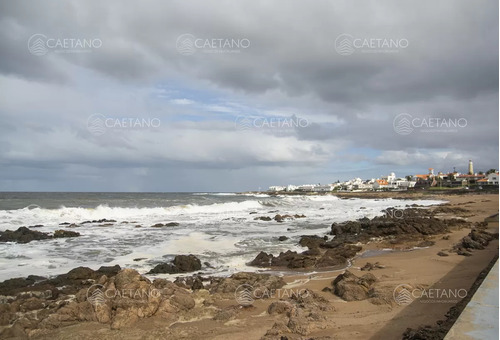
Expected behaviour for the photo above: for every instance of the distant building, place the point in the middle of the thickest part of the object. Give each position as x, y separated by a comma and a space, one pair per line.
276, 188
493, 178
380, 184
322, 188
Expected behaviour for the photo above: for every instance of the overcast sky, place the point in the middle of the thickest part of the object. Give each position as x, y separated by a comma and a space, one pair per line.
300, 92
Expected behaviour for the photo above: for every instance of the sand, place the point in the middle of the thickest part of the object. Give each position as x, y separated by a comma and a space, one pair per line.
347, 320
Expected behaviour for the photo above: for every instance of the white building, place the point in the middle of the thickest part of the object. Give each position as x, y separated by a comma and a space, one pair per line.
323, 188
493, 178
306, 187
276, 188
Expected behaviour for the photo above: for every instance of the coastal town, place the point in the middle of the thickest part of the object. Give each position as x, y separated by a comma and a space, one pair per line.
392, 182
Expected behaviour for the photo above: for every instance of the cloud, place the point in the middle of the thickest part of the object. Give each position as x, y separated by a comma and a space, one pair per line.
291, 69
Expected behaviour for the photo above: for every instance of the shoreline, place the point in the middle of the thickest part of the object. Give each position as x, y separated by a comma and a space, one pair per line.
342, 320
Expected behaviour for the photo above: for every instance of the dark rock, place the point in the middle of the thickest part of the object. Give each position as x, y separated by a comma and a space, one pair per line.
311, 241
23, 235
180, 264
263, 218
442, 254
281, 218
282, 238
164, 268
170, 224
109, 270
80, 273
36, 226
262, 260
65, 233
187, 263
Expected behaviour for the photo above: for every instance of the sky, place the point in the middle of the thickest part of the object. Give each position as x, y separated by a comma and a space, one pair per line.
240, 95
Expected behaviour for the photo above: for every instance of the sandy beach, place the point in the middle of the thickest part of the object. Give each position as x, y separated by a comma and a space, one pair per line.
324, 315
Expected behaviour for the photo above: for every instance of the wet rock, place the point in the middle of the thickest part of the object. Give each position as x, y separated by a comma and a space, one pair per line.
263, 259
109, 270
416, 225
282, 238
311, 241
80, 273
338, 256
263, 218
180, 264
23, 235
442, 254
187, 263
161, 225
36, 226
281, 218
65, 233
350, 287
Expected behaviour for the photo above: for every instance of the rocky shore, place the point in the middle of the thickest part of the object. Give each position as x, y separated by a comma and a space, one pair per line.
120, 303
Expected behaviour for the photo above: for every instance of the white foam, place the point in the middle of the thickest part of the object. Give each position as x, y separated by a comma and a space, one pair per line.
224, 234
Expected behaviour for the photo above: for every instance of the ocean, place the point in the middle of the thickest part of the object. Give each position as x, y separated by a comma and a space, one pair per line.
219, 228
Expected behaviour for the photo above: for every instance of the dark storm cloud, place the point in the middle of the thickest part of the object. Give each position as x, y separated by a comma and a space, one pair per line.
449, 70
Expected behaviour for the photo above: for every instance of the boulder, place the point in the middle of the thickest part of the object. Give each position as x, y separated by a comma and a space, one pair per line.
65, 233
180, 264
350, 287
23, 235
263, 259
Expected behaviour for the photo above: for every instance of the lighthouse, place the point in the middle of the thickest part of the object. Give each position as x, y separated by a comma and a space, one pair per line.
471, 168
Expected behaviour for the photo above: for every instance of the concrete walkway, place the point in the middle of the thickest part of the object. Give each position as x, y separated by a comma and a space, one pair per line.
479, 319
